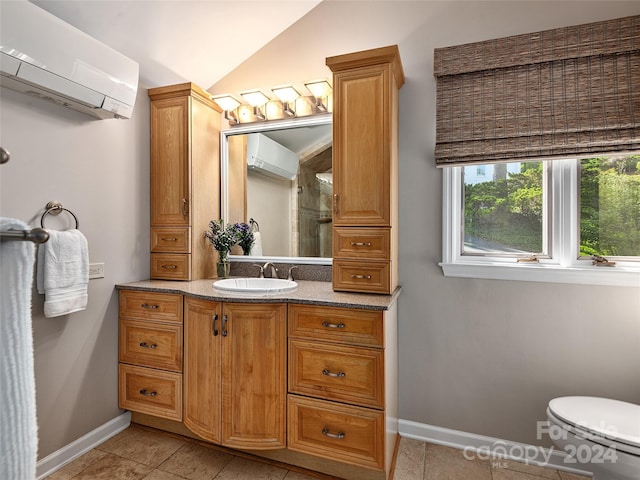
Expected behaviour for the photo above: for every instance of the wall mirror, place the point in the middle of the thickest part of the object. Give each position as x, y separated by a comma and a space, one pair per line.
278, 174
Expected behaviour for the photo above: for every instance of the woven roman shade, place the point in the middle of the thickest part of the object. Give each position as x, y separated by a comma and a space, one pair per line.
571, 91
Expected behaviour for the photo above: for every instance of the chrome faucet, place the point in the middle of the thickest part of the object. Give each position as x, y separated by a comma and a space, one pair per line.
274, 270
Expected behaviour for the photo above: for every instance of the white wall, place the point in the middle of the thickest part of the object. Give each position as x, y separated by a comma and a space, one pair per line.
475, 355
99, 169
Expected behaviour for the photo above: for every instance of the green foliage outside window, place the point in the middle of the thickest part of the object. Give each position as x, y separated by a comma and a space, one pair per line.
506, 212
610, 206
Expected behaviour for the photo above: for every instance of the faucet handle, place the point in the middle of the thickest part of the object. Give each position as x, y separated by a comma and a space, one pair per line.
261, 270
290, 276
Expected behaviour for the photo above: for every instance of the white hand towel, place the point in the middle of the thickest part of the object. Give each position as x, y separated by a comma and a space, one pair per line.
63, 272
256, 249
18, 425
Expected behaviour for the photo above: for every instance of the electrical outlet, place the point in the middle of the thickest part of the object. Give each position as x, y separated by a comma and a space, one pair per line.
96, 270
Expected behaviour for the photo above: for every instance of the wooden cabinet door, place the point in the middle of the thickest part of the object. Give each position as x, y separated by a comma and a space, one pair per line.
361, 147
170, 161
254, 382
202, 353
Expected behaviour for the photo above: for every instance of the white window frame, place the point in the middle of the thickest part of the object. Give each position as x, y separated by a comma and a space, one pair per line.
565, 264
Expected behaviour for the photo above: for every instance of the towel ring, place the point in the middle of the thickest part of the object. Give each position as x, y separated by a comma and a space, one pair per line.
254, 225
54, 208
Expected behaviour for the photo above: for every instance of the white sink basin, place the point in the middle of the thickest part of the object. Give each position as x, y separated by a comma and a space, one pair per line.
255, 285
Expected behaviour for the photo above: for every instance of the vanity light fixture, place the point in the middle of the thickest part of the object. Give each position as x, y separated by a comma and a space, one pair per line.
321, 90
257, 100
288, 95
229, 105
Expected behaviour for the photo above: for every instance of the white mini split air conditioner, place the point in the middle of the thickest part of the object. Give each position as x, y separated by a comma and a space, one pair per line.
267, 156
42, 56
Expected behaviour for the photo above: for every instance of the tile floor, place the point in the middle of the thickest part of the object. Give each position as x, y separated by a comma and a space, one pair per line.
140, 453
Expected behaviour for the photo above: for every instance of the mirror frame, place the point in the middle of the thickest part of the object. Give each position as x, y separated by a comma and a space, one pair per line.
243, 129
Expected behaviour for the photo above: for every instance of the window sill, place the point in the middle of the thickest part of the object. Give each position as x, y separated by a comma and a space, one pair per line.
587, 275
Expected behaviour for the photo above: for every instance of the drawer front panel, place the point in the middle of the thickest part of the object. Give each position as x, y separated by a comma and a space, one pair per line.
354, 435
335, 324
361, 276
159, 307
345, 374
171, 239
151, 344
150, 391
370, 243
167, 266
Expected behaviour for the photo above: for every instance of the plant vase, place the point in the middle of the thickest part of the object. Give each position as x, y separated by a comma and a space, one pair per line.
223, 269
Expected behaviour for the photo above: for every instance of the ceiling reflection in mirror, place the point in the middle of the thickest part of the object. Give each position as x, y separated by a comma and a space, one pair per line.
277, 177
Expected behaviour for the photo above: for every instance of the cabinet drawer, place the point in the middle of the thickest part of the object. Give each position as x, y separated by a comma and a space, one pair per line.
336, 324
151, 344
345, 374
167, 266
361, 276
370, 243
159, 307
171, 239
154, 392
348, 434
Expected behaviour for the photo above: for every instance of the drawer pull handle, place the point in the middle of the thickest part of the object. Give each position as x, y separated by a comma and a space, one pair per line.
365, 277
170, 239
214, 319
333, 325
185, 211
148, 394
169, 266
148, 345
334, 375
360, 244
146, 305
337, 436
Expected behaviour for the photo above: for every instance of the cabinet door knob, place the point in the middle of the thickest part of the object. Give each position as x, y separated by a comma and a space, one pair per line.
147, 393
332, 374
224, 325
337, 436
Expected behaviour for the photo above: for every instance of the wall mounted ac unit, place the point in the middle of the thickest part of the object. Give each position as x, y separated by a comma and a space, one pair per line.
268, 156
45, 57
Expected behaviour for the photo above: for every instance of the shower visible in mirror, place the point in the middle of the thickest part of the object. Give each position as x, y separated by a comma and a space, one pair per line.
279, 174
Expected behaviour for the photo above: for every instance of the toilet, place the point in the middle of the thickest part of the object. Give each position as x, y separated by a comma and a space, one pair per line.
600, 434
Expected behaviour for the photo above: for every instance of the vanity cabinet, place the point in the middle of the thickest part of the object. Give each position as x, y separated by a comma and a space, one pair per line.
150, 353
342, 388
365, 169
235, 386
185, 181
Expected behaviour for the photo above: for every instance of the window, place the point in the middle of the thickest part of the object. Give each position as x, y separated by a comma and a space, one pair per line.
545, 221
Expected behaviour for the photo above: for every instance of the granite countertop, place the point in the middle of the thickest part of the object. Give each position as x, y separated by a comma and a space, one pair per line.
307, 292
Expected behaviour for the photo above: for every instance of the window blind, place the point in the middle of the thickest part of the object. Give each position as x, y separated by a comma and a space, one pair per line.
572, 91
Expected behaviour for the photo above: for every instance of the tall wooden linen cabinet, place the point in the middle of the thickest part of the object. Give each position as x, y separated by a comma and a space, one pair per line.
185, 181
365, 169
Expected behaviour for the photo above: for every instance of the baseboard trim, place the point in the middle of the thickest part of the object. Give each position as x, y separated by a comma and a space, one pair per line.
82, 445
483, 447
